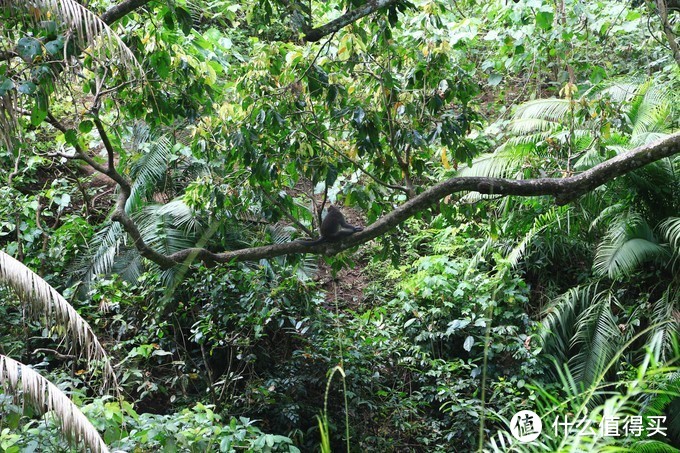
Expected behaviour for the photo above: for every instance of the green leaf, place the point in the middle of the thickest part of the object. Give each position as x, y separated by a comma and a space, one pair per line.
331, 95
71, 137
29, 48
469, 342
186, 23
169, 20
544, 19
50, 28
27, 88
5, 86
315, 88
39, 112
359, 116
161, 62
55, 48
85, 126
495, 79
332, 175
597, 75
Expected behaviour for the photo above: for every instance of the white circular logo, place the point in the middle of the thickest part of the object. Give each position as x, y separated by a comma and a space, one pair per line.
525, 426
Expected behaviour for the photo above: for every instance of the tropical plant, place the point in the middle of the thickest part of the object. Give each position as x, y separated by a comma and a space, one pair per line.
23, 382
593, 418
43, 300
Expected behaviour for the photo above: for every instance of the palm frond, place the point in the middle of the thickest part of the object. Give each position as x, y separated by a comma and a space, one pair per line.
664, 324
597, 339
551, 109
308, 266
87, 28
149, 172
478, 257
666, 401
609, 213
589, 159
526, 140
628, 244
670, 230
182, 216
504, 163
541, 222
129, 265
17, 378
657, 185
644, 137
43, 300
619, 91
102, 251
170, 227
652, 123
651, 446
560, 319
530, 125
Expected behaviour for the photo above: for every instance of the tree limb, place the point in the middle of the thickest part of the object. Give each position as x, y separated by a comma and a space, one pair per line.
371, 6
120, 10
564, 190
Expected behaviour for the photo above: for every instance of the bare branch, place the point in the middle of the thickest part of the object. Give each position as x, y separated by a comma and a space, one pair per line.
119, 213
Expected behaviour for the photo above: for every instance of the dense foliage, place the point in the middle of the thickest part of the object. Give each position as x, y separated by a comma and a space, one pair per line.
130, 136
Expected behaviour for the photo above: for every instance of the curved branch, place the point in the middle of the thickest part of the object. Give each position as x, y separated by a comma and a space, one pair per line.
564, 190
371, 6
122, 9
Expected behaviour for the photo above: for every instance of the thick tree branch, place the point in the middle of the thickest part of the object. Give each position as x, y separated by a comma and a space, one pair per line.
371, 6
120, 10
563, 189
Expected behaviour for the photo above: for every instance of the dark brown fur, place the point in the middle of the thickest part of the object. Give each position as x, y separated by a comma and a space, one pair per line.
334, 227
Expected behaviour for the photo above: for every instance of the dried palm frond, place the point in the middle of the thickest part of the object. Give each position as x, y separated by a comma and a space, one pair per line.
44, 396
43, 300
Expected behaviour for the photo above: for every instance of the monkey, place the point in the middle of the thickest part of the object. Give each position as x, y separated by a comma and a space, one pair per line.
334, 227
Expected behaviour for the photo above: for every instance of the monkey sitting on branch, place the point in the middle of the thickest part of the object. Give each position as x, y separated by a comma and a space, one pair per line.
333, 228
